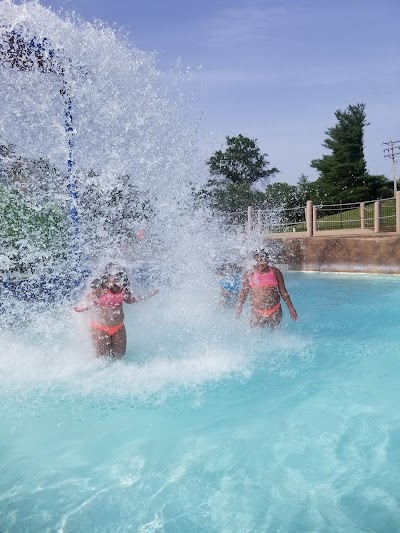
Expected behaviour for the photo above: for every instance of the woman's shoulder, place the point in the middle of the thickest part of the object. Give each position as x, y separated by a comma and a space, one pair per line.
277, 272
96, 292
275, 269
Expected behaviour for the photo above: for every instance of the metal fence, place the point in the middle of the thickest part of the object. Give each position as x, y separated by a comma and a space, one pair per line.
227, 219
280, 220
360, 215
377, 216
272, 220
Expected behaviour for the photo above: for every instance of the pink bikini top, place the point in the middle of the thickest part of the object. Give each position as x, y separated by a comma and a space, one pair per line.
263, 280
110, 299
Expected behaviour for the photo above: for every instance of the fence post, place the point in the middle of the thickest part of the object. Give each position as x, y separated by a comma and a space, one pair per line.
377, 212
362, 215
249, 218
398, 212
314, 220
309, 218
259, 222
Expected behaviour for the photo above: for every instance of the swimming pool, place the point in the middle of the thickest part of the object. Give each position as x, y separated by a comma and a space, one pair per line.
208, 425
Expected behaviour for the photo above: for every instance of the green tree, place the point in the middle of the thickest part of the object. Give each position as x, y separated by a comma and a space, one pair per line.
345, 140
281, 198
30, 234
305, 190
237, 174
280, 195
343, 173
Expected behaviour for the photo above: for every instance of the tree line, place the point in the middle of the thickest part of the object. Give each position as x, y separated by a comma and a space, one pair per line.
34, 204
241, 174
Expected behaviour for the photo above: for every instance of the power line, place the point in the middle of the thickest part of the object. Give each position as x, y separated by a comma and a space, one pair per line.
393, 153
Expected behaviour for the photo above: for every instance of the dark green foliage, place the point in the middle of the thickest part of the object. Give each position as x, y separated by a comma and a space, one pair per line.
343, 175
369, 187
34, 230
378, 187
30, 234
282, 195
233, 197
241, 162
305, 190
35, 226
346, 164
236, 171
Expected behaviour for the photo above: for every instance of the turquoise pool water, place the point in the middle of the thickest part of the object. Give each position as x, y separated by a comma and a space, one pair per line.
208, 426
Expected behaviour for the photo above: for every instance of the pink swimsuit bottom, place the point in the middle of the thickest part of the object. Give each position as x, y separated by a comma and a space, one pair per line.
110, 330
267, 312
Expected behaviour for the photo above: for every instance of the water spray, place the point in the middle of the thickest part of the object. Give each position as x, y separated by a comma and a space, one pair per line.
20, 51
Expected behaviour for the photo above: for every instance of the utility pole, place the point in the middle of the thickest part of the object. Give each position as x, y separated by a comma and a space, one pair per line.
393, 153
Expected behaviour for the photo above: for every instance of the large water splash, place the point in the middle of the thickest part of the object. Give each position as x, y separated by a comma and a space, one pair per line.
135, 161
134, 156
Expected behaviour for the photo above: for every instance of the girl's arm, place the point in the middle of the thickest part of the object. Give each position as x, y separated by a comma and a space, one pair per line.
89, 302
284, 293
130, 299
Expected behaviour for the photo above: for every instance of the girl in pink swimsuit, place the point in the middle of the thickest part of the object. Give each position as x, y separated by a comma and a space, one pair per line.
105, 300
266, 286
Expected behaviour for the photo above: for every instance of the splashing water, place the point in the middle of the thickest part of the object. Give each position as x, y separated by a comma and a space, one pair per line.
134, 141
134, 158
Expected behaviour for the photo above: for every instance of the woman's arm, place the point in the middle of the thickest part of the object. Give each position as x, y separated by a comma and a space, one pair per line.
284, 293
89, 301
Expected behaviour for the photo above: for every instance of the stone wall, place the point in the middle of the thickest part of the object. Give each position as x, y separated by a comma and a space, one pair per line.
380, 254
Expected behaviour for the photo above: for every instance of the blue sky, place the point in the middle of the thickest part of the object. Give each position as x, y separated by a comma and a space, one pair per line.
274, 70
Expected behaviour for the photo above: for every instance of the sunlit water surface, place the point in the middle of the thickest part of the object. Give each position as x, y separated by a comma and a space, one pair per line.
208, 425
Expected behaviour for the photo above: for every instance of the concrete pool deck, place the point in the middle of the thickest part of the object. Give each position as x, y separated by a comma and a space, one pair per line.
338, 251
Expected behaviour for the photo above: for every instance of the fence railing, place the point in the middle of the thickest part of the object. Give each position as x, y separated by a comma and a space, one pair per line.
374, 216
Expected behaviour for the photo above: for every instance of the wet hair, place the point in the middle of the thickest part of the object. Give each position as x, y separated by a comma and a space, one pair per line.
112, 269
261, 253
115, 272
234, 267
95, 283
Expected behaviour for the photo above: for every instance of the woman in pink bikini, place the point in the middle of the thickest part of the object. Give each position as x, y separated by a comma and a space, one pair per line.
105, 300
266, 285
